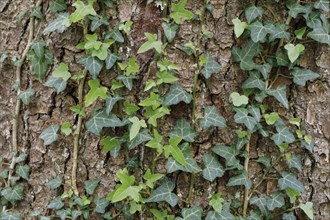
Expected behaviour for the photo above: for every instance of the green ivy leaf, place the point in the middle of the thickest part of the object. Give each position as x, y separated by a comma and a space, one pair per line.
213, 168
58, 6
193, 213
183, 129
289, 180
293, 161
90, 186
293, 194
322, 4
13, 194
82, 10
95, 92
152, 178
261, 202
75, 214
137, 124
62, 71
241, 179
294, 51
111, 60
246, 54
259, 31
254, 81
229, 153
216, 202
101, 205
54, 183
175, 151
152, 101
111, 101
278, 31
55, 203
100, 120
26, 95
239, 27
211, 67
300, 33
308, 209
127, 80
176, 95
242, 117
280, 94
283, 135
179, 12
10, 216
151, 43
295, 8
164, 193
301, 76
57, 83
39, 48
275, 201
282, 59
111, 145
23, 171
117, 35
141, 137
155, 142
170, 31
212, 118
97, 22
37, 12
252, 12
66, 128
266, 161
92, 64
126, 27
271, 118
49, 135
59, 24
238, 99
130, 108
289, 216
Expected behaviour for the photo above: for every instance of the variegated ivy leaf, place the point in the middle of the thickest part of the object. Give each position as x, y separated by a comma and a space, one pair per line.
252, 12
164, 193
295, 8
254, 81
210, 67
246, 54
141, 137
183, 129
177, 94
10, 216
301, 76
241, 179
275, 201
242, 117
280, 94
111, 101
170, 30
278, 31
56, 203
92, 64
54, 183
49, 135
57, 83
229, 153
213, 118
127, 80
23, 171
90, 186
260, 31
26, 95
260, 202
193, 213
213, 168
289, 180
58, 5
322, 4
100, 120
283, 135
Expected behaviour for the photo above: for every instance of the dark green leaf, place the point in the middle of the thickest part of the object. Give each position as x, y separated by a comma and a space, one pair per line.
213, 118
229, 153
127, 80
246, 54
111, 60
252, 12
283, 135
211, 67
101, 205
264, 70
13, 194
25, 96
57, 83
242, 117
280, 94
275, 201
278, 31
54, 183
93, 65
49, 135
289, 216
56, 203
90, 186
193, 213
111, 101
170, 30
261, 202
289, 180
164, 193
183, 129
141, 137
259, 31
117, 36
97, 22
301, 76
177, 94
266, 161
59, 24
254, 82
37, 12
322, 4
295, 8
58, 6
213, 168
100, 120
241, 179
294, 162
10, 216
23, 171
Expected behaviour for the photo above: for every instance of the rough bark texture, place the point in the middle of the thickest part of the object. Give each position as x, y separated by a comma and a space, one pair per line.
47, 108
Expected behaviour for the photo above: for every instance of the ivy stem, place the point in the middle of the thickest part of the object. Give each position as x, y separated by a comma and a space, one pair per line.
76, 134
246, 167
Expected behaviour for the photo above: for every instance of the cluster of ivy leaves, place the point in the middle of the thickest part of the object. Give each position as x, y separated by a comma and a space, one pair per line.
141, 120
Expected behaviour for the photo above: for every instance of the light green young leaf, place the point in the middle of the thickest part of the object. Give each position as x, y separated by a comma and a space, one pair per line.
175, 151
90, 186
151, 43
100, 120
289, 180
211, 67
58, 6
275, 201
54, 183
300, 33
241, 179
82, 10
213, 168
238, 99
239, 27
130, 108
132, 66
176, 95
271, 118
280, 94
95, 92
126, 27
170, 31
179, 12
152, 178
308, 209
301, 76
283, 135
110, 144
26, 95
57, 83
23, 171
62, 71
212, 118
183, 129
152, 101
137, 124
49, 135
216, 202
252, 12
164, 193
293, 194
193, 213
294, 51
246, 54
66, 128
155, 143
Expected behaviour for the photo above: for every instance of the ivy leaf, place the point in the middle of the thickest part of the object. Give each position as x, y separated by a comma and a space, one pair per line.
211, 67
238, 99
278, 31
261, 202
152, 178
193, 213
179, 12
141, 137
296, 8
170, 31
97, 22
10, 216
322, 4
275, 201
112, 145
151, 43
282, 59
127, 80
92, 64
283, 135
254, 82
13, 194
37, 12
62, 71
117, 35
111, 101
289, 180
239, 27
164, 193
49, 135
57, 83
294, 51
54, 183
26, 95
90, 186
82, 10
100, 120
293, 161
216, 202
75, 214
101, 205
259, 31
255, 112
213, 168
252, 12
271, 118
23, 171
289, 216
58, 6
239, 180
39, 48
246, 54
229, 153
301, 76
111, 60
155, 143
242, 117
55, 203
59, 24
176, 95
280, 94
137, 124
183, 129
175, 151
95, 92
308, 209
212, 118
